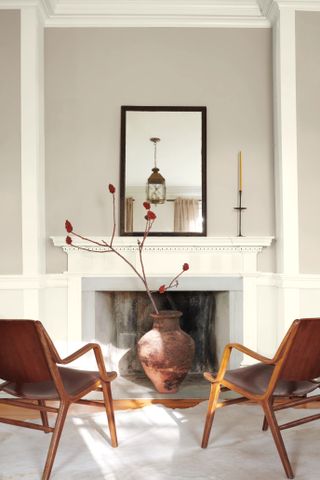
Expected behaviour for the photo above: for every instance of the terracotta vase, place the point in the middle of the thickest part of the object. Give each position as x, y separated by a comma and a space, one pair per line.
166, 352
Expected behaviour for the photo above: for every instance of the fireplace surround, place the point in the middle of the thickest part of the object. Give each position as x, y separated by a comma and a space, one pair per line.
224, 266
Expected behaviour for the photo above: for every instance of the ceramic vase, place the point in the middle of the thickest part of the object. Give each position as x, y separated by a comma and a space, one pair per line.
166, 352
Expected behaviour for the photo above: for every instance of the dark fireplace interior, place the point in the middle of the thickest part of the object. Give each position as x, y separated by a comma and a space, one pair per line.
130, 312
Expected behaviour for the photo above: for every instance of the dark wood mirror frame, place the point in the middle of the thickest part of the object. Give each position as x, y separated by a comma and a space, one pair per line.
203, 112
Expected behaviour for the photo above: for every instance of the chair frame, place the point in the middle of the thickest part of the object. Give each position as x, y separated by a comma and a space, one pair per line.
266, 400
65, 400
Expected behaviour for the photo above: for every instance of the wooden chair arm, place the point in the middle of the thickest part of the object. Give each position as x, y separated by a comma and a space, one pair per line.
76, 354
216, 378
105, 376
251, 353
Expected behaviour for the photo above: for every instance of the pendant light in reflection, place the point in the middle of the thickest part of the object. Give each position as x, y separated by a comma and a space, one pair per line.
156, 185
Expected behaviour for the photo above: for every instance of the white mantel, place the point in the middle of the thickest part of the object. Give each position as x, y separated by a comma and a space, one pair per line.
163, 255
226, 264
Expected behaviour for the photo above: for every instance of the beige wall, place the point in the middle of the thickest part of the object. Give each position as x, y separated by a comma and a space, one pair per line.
10, 179
90, 73
308, 122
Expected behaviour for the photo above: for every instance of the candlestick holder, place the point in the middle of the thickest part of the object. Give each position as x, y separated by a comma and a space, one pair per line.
240, 209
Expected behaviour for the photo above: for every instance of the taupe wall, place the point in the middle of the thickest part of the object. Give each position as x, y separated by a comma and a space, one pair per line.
10, 179
90, 73
308, 123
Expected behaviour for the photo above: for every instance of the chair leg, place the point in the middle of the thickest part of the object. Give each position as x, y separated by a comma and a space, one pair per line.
213, 399
55, 440
272, 421
44, 415
265, 424
265, 421
107, 395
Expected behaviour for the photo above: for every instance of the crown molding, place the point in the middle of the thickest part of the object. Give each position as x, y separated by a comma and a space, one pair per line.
157, 13
43, 7
299, 4
146, 13
160, 13
269, 6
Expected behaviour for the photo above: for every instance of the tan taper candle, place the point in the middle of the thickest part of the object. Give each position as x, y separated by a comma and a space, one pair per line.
240, 171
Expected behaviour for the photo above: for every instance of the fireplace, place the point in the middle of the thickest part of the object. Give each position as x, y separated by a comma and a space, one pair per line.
222, 279
118, 319
129, 313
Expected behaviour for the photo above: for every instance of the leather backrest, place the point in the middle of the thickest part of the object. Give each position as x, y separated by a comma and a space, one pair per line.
302, 361
22, 356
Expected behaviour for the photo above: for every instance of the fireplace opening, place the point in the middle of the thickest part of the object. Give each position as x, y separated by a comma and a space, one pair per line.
123, 317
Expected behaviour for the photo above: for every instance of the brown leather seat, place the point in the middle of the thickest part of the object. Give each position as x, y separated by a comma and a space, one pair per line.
31, 369
255, 379
292, 373
74, 382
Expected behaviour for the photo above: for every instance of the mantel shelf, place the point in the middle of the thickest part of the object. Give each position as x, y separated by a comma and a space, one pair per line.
206, 255
172, 243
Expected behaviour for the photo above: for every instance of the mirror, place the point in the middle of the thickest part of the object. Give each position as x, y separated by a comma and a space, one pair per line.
163, 161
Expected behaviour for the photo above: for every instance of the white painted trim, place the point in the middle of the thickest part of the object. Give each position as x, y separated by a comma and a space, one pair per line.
160, 13
267, 6
160, 21
300, 4
142, 13
41, 6
205, 7
32, 142
250, 308
17, 4
173, 243
21, 282
286, 161
60, 280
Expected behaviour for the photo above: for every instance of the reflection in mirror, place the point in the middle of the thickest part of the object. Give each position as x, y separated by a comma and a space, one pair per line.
163, 161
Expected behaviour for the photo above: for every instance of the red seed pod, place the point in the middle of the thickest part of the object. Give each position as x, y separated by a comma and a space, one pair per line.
68, 226
151, 215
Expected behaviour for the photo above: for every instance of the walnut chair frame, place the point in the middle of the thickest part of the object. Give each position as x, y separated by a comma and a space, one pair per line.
29, 366
291, 374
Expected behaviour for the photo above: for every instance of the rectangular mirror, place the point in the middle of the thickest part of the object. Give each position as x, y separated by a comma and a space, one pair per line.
163, 161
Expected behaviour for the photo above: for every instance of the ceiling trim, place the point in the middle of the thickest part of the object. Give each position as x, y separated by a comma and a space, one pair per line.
146, 13
159, 13
267, 6
122, 21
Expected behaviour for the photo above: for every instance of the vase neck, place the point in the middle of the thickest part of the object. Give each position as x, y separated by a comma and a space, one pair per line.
166, 320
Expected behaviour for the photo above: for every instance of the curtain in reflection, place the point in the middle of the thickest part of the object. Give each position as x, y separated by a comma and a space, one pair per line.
129, 214
186, 215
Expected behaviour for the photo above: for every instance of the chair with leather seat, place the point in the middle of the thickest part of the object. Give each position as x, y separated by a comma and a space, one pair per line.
30, 367
291, 374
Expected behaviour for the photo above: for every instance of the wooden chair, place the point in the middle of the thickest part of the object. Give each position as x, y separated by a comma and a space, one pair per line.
29, 367
291, 373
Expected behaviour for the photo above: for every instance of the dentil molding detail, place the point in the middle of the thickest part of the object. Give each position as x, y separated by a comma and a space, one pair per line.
175, 244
